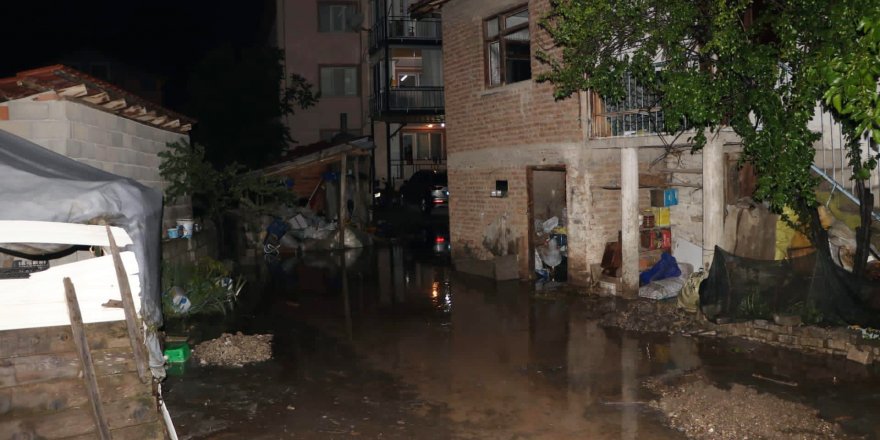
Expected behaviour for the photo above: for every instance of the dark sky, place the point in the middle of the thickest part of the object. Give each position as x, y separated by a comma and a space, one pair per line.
165, 37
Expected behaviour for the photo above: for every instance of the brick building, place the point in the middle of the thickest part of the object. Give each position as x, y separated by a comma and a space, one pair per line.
576, 159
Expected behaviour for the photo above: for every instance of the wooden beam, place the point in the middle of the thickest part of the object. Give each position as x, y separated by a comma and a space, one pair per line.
85, 357
135, 334
20, 231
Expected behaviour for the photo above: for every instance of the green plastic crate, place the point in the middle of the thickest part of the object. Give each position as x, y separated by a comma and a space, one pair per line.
177, 352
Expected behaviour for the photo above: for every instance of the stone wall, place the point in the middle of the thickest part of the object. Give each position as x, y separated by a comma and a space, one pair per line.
839, 341
95, 137
186, 250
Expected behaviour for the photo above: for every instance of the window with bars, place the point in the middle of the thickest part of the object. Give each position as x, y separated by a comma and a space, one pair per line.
507, 48
339, 81
638, 112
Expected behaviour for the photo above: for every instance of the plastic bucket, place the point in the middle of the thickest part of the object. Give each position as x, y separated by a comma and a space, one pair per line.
187, 227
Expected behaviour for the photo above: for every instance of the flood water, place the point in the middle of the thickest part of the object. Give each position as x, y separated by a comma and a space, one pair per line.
401, 346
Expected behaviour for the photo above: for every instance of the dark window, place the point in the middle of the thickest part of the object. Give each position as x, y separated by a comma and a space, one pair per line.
337, 17
508, 53
339, 81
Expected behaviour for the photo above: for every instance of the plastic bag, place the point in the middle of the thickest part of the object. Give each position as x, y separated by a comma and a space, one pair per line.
667, 267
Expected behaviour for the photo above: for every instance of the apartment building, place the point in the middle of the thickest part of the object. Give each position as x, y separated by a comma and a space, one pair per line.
378, 69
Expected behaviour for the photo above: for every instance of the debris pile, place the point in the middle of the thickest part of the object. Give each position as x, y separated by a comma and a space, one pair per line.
704, 411
234, 350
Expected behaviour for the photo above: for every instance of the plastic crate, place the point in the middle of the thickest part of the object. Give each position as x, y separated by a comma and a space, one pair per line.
177, 352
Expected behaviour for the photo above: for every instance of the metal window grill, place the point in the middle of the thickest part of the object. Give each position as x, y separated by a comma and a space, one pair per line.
637, 113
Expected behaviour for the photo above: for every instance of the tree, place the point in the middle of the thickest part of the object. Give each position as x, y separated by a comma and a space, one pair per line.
757, 66
215, 192
236, 95
852, 94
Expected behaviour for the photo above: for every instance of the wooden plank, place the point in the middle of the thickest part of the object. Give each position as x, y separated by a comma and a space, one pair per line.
59, 394
77, 421
57, 339
145, 431
39, 300
135, 329
17, 231
40, 368
678, 170
85, 357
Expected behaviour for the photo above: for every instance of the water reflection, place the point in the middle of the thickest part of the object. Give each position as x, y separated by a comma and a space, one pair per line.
503, 363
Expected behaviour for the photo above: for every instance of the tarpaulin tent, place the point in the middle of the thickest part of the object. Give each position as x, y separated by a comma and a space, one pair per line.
41, 185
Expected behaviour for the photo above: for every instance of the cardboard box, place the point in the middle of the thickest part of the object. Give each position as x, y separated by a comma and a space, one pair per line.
606, 284
664, 197
648, 259
670, 197
661, 217
655, 238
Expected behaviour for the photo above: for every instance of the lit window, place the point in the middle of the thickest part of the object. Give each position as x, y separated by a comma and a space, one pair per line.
508, 53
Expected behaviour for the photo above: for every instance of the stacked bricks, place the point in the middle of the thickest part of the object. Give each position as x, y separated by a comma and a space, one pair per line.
830, 341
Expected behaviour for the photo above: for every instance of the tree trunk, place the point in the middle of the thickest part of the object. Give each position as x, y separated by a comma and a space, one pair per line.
863, 232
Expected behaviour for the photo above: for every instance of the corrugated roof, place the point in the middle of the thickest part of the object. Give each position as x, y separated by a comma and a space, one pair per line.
63, 82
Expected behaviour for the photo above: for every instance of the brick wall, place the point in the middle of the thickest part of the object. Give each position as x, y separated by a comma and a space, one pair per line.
498, 133
103, 140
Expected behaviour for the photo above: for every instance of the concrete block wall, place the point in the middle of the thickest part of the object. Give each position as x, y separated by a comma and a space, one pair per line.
94, 137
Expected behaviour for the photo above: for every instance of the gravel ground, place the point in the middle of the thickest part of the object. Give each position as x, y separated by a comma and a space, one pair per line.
234, 350
703, 411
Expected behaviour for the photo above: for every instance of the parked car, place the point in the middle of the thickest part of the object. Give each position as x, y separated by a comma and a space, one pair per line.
426, 189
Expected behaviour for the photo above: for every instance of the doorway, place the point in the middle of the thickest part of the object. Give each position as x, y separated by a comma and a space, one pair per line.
548, 223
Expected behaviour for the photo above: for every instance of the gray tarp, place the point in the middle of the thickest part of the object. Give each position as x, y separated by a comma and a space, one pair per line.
41, 185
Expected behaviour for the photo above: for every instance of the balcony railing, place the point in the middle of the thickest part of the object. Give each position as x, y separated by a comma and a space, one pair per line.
404, 169
637, 113
406, 29
408, 100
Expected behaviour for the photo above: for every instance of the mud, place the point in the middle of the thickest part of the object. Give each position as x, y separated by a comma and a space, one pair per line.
704, 411
234, 350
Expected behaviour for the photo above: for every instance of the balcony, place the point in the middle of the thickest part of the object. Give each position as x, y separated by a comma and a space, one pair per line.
637, 113
408, 100
404, 30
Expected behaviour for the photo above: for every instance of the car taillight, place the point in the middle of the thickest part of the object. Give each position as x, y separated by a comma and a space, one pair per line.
439, 201
440, 239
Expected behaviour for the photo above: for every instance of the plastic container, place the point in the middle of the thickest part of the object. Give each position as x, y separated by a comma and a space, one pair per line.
172, 233
187, 224
177, 352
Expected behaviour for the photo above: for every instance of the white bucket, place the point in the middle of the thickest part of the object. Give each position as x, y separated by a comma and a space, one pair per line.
187, 224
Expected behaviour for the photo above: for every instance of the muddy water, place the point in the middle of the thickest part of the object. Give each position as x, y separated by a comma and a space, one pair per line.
397, 345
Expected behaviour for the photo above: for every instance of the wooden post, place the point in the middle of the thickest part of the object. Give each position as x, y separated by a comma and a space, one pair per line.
85, 358
713, 197
135, 333
342, 204
629, 226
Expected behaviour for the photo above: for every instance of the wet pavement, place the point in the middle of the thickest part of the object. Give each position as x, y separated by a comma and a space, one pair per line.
401, 346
